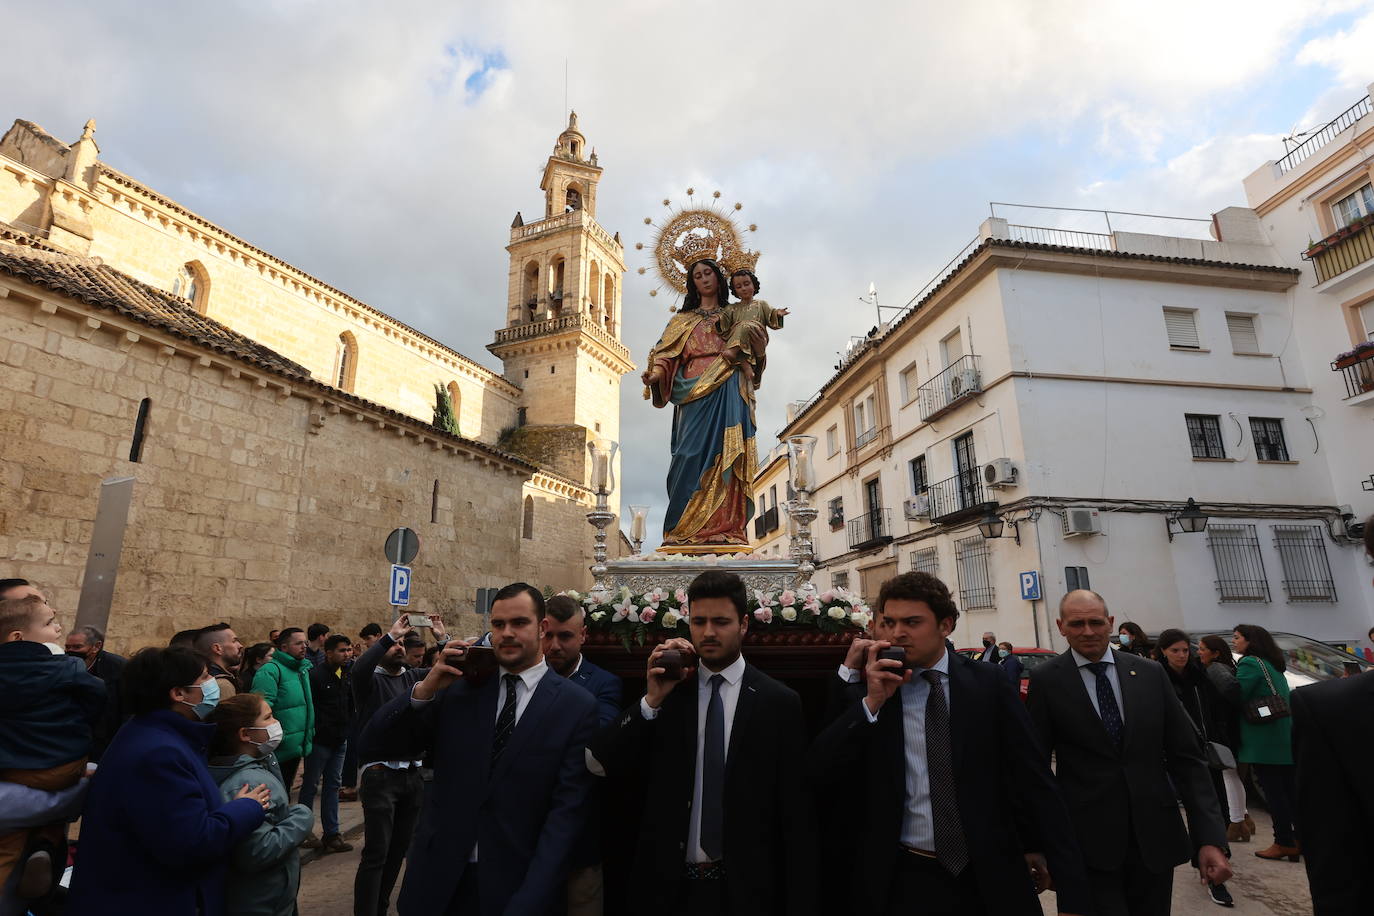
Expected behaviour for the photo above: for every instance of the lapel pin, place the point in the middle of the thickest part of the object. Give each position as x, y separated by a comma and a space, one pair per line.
1132, 672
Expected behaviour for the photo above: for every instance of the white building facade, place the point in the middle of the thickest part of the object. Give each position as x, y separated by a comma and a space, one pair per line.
1082, 392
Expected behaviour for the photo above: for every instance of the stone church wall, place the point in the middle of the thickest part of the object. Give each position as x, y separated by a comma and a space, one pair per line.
254, 504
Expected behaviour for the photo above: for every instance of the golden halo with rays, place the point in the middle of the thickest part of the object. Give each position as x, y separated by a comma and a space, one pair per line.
691, 232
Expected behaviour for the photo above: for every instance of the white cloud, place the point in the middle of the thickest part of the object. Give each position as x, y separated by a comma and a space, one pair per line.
865, 140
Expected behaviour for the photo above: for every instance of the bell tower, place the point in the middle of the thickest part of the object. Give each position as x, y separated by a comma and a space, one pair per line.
561, 343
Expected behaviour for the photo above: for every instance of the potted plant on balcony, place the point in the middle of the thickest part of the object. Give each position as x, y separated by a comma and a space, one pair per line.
1361, 351
1344, 232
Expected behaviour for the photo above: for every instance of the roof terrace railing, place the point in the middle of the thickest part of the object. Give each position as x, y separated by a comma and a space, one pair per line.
1325, 135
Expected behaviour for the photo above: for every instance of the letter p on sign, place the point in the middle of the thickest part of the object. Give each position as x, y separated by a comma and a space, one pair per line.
400, 586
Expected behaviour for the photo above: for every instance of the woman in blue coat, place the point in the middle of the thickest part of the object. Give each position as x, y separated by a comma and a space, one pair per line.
156, 835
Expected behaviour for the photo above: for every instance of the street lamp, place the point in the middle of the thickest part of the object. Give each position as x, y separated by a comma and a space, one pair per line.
990, 525
1190, 520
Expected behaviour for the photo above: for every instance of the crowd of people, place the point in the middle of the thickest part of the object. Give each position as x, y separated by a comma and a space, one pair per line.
496, 769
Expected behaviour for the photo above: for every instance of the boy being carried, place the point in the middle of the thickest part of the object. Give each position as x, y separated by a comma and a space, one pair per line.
744, 325
48, 704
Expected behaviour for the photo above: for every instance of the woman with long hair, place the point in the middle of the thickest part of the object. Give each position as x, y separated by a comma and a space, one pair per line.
1268, 746
713, 458
1134, 640
254, 657
1217, 660
1204, 707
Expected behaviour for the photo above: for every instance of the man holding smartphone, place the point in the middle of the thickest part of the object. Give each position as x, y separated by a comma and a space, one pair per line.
508, 801
729, 829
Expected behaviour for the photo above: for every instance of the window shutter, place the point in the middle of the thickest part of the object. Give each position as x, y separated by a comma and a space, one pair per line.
1182, 327
1243, 336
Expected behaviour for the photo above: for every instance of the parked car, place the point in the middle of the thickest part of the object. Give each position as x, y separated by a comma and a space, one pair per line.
1027, 656
1309, 661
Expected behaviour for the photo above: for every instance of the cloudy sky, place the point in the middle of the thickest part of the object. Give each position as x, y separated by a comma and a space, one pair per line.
385, 147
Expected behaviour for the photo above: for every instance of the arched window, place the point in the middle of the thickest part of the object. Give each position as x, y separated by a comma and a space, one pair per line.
556, 287
455, 399
573, 198
529, 292
527, 527
608, 303
192, 283
594, 291
346, 362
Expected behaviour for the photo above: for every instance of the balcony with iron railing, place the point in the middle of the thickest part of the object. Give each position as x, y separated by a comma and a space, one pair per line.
1357, 370
957, 497
545, 326
871, 529
961, 381
1343, 250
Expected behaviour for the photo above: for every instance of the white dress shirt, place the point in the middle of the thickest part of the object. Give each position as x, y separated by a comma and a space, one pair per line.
729, 698
1090, 679
918, 820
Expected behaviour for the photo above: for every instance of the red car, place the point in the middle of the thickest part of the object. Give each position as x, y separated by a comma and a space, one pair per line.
1028, 657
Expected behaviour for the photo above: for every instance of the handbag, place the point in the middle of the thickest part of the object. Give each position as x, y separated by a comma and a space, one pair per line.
1263, 710
1219, 756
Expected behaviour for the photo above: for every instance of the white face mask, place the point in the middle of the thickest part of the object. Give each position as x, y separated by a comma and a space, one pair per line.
273, 738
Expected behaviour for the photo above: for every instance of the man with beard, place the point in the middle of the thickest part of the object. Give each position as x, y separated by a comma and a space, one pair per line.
508, 801
222, 652
717, 836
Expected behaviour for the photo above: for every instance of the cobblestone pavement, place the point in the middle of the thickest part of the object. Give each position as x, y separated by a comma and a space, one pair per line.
1261, 888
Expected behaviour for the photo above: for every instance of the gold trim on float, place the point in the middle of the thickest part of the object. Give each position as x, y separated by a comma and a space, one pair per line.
723, 549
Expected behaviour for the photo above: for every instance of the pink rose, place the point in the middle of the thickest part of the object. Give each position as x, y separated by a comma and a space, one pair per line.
764, 615
647, 615
681, 596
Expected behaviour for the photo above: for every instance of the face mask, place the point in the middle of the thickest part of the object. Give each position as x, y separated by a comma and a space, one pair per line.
1003, 653
1125, 639
273, 739
209, 692
987, 642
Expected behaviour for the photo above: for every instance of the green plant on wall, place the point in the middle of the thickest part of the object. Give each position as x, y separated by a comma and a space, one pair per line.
443, 411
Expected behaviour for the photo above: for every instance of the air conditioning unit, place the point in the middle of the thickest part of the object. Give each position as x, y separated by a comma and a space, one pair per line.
1080, 522
917, 506
1000, 473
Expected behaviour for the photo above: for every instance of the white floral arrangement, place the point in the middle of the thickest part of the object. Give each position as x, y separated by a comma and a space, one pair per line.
661, 612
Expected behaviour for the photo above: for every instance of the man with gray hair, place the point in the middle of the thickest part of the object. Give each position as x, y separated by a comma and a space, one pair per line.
88, 644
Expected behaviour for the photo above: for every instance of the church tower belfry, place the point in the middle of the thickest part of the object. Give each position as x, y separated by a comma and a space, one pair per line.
561, 341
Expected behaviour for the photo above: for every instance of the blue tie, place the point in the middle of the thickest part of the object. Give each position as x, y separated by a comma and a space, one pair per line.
713, 775
1106, 703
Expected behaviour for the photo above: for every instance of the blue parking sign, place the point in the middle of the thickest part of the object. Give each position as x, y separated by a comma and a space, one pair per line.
400, 585
1030, 586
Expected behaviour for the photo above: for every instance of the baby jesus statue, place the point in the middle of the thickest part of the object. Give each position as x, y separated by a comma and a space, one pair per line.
744, 326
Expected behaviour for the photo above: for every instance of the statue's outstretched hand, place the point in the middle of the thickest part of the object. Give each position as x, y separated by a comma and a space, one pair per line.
784, 312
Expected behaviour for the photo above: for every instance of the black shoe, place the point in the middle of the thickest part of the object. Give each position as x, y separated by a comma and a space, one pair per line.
1220, 895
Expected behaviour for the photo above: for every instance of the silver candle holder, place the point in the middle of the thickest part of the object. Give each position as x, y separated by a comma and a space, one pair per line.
801, 465
603, 482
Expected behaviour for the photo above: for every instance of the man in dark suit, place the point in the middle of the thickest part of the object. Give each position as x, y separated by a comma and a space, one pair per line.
563, 650
960, 813
1125, 752
1333, 744
728, 828
989, 653
508, 800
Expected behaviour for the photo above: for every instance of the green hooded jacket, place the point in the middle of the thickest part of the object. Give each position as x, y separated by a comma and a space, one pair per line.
285, 683
264, 867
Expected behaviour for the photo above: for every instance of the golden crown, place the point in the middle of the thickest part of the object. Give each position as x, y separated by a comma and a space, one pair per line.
696, 233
